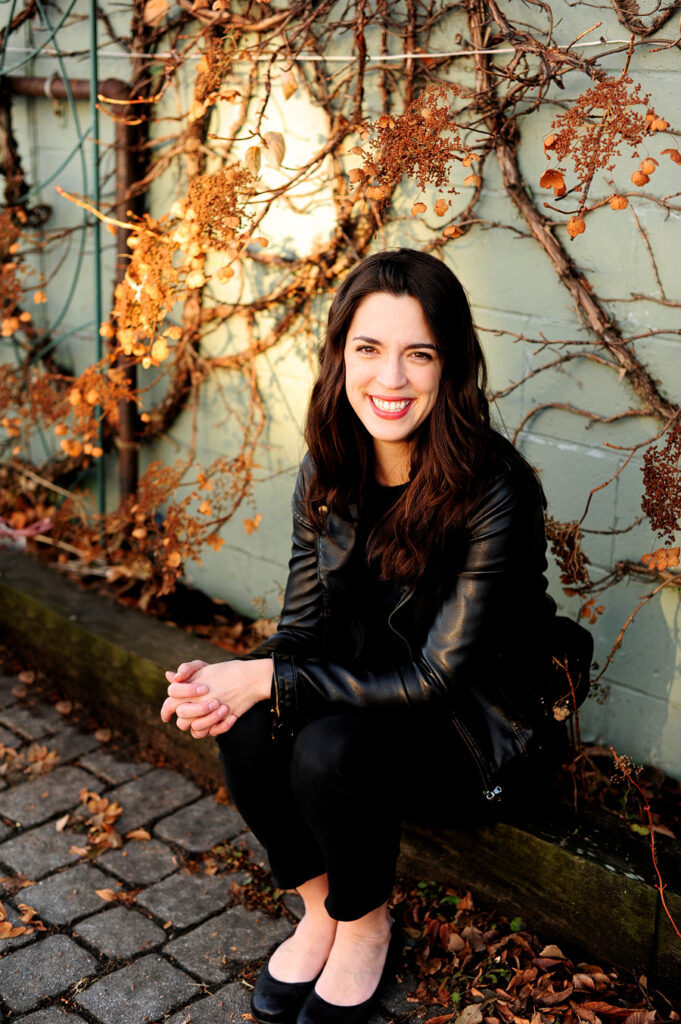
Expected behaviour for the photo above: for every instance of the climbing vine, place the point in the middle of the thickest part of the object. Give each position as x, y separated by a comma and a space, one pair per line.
429, 108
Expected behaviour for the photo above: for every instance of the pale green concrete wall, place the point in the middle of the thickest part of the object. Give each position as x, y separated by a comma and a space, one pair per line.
513, 287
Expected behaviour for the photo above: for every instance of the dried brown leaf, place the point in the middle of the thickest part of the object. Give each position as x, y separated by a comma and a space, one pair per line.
275, 148
107, 894
138, 833
289, 83
155, 11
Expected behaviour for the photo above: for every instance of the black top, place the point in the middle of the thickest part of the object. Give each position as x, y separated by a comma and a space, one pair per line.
373, 597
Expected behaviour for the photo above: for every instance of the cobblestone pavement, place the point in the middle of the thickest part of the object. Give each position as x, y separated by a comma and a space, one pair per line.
175, 932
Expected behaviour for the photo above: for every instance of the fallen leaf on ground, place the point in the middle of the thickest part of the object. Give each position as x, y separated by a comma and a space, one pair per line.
138, 833
107, 894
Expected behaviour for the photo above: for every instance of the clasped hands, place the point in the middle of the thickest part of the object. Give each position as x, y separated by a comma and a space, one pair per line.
208, 699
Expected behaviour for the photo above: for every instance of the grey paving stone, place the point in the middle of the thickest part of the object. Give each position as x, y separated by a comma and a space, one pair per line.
294, 903
39, 851
70, 894
5, 831
230, 1003
112, 769
140, 862
155, 794
254, 848
6, 696
34, 802
144, 991
32, 721
394, 998
19, 940
43, 969
9, 739
70, 743
238, 936
52, 1015
187, 899
201, 825
120, 932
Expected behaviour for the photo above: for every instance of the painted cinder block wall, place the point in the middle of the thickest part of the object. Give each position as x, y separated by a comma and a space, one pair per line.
512, 288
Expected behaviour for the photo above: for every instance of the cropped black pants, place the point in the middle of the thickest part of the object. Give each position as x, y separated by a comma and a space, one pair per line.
332, 799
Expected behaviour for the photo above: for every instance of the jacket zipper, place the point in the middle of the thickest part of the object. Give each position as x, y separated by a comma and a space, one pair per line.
489, 791
406, 594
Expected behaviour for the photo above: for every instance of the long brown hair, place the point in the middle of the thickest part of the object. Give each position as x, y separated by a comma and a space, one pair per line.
453, 450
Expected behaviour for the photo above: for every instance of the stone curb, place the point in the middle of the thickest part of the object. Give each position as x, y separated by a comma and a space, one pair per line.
116, 655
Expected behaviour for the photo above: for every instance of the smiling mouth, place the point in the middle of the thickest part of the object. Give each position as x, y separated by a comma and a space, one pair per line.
391, 407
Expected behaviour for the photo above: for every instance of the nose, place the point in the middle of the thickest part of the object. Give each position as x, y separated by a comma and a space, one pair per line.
391, 372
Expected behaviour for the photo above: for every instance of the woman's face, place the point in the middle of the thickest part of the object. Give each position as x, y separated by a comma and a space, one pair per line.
392, 369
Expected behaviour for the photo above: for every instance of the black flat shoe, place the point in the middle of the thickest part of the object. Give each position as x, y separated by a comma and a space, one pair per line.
278, 1002
316, 1010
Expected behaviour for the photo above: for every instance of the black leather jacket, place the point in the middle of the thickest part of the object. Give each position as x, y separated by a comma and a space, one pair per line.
473, 637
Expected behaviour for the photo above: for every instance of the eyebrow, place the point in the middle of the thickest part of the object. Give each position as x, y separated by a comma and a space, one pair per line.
375, 341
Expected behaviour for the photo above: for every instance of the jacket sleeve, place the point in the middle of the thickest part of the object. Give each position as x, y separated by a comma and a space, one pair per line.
505, 534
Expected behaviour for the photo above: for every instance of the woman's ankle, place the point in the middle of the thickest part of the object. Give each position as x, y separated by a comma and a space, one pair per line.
374, 926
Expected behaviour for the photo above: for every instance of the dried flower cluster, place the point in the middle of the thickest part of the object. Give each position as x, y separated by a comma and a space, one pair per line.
609, 115
10, 286
662, 484
169, 258
72, 407
211, 69
422, 144
565, 541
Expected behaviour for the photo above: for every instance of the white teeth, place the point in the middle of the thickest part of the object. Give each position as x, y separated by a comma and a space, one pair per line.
397, 406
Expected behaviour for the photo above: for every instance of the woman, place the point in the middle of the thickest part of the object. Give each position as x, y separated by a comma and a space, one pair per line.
412, 662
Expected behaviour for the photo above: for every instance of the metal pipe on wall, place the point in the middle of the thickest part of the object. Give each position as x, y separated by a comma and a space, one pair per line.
124, 145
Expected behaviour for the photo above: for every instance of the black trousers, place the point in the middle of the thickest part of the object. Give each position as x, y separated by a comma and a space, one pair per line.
332, 799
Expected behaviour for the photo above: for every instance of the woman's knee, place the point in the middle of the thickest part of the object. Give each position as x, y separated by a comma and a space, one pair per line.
333, 751
248, 738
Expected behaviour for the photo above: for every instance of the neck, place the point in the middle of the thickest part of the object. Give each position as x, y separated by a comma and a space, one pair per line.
392, 464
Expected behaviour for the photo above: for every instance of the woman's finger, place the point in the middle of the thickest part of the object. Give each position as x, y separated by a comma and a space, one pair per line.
204, 722
184, 691
185, 670
199, 708
199, 734
168, 708
223, 726
184, 724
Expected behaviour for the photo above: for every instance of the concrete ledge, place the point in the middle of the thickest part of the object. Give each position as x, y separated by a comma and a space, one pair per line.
586, 881
111, 657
